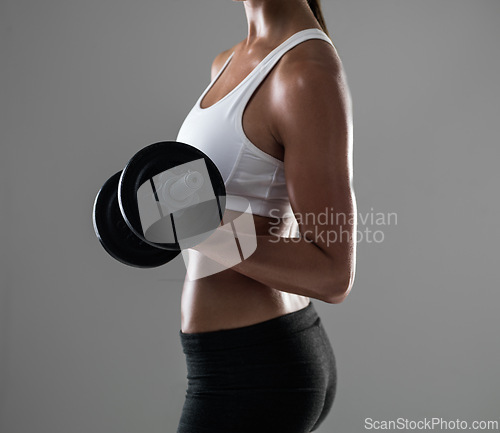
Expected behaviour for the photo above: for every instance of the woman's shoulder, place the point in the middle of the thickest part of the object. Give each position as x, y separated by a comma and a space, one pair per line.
313, 55
309, 80
220, 59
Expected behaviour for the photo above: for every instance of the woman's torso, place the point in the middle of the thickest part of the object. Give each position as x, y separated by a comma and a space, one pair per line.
229, 299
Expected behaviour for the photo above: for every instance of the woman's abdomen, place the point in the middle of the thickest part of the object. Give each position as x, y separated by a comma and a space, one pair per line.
231, 300
228, 299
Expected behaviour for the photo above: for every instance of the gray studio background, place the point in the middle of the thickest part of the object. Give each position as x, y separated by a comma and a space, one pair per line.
90, 345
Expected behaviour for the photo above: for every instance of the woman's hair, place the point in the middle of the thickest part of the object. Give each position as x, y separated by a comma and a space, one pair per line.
315, 6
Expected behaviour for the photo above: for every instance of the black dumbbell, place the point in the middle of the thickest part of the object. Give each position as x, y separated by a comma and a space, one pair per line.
115, 235
170, 196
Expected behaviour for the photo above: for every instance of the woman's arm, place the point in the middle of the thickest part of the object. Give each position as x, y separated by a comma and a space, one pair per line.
314, 123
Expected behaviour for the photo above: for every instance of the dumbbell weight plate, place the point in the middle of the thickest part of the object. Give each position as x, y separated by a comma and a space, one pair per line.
115, 235
167, 226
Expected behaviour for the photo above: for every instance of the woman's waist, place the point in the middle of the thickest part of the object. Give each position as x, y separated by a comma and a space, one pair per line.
248, 327
231, 300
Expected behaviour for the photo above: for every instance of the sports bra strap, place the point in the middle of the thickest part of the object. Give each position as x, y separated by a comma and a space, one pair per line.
274, 56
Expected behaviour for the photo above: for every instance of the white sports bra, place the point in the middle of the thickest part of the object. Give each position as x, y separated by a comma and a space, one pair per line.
217, 131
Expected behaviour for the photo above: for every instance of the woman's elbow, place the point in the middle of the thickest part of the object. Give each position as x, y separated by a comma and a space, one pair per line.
336, 288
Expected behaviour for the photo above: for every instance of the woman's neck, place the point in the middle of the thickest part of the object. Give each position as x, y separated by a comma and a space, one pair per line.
271, 19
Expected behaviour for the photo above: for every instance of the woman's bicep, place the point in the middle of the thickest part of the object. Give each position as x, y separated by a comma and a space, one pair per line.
315, 128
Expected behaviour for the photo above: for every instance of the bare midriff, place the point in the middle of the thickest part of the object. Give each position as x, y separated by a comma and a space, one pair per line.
228, 299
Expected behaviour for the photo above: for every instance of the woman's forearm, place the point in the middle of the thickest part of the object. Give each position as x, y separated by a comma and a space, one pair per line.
294, 265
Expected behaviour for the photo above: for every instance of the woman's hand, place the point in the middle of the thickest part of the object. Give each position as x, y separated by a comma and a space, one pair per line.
232, 242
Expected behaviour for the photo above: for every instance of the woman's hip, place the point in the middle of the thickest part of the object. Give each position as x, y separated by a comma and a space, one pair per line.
280, 373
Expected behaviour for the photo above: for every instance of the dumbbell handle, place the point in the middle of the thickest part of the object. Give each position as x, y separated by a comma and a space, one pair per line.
186, 185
